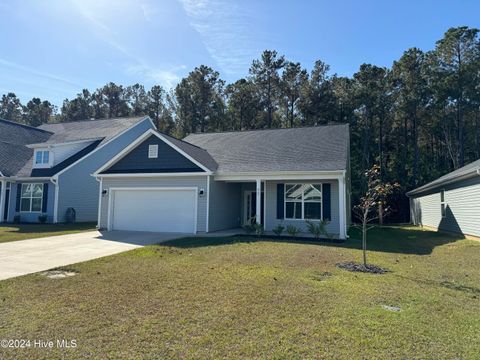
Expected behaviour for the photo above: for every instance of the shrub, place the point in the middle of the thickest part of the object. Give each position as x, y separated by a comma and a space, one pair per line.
278, 230
317, 229
249, 229
42, 218
16, 219
258, 228
293, 230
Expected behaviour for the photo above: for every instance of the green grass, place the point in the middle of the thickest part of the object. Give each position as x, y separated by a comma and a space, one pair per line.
31, 231
241, 298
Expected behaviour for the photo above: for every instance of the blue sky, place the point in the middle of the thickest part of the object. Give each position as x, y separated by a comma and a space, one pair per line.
54, 48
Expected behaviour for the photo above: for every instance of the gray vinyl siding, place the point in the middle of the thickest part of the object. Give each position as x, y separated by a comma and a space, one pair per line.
462, 201
78, 189
30, 217
271, 207
179, 181
225, 205
168, 160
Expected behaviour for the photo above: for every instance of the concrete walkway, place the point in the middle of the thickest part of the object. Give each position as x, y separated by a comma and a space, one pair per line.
34, 255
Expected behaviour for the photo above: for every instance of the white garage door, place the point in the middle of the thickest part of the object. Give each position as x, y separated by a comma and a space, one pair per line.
158, 210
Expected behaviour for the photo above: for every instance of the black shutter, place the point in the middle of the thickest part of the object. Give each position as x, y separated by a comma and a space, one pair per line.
19, 192
326, 203
45, 198
280, 200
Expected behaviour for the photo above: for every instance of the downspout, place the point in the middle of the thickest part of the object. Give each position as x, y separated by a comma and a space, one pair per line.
100, 190
2, 198
54, 181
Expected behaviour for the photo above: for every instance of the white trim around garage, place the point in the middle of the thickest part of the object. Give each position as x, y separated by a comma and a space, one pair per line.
139, 188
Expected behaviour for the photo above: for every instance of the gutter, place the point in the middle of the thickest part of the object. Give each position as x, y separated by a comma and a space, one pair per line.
443, 183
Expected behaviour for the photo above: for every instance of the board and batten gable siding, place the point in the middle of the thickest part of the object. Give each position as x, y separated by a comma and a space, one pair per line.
78, 189
462, 201
225, 205
168, 160
151, 182
31, 217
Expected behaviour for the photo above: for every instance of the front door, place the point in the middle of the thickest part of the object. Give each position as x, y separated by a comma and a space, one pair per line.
251, 207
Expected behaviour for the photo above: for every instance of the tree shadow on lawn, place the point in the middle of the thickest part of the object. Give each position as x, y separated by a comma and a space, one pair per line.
24, 228
392, 239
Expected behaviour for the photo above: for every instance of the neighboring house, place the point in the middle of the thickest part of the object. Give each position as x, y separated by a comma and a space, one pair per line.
450, 203
47, 170
214, 181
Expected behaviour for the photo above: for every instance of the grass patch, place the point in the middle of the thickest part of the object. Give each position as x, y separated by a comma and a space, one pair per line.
249, 298
31, 231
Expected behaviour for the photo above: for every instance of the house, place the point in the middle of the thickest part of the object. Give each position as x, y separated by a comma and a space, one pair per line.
451, 203
46, 170
215, 181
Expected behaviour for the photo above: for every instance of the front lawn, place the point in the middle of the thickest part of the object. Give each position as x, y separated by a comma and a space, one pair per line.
241, 298
14, 232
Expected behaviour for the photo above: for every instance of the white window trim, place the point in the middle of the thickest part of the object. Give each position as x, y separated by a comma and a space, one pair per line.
302, 202
31, 199
42, 164
153, 151
443, 214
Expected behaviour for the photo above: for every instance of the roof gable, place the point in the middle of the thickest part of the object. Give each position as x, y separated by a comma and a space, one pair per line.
171, 159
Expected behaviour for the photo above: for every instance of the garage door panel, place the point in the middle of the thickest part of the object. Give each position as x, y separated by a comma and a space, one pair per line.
154, 210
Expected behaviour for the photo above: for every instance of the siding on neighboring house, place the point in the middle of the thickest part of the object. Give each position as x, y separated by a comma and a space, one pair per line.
224, 209
462, 201
79, 189
63, 152
179, 181
26, 216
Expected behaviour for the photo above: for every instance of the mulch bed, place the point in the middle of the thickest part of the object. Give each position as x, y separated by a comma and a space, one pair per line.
358, 267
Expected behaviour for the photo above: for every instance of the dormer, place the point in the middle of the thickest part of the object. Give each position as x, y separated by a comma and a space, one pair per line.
42, 158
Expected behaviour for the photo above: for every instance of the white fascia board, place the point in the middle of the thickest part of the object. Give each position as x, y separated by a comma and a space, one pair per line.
150, 175
14, 178
285, 175
49, 146
103, 145
437, 186
124, 152
137, 142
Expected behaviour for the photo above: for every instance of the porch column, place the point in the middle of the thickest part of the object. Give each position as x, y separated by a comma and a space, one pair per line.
341, 207
3, 191
258, 216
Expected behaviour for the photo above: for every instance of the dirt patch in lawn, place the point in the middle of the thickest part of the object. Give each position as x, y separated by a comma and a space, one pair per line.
357, 267
59, 273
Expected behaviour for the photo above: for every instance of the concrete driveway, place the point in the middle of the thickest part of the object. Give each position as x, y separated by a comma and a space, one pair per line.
33, 255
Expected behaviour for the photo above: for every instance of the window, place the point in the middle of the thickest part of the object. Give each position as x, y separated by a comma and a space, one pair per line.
303, 201
42, 157
443, 205
31, 198
152, 151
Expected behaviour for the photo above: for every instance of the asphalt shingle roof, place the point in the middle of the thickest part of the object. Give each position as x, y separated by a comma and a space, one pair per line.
450, 177
319, 148
199, 154
16, 159
104, 129
13, 138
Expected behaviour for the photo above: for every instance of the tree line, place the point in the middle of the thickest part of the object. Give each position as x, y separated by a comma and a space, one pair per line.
417, 120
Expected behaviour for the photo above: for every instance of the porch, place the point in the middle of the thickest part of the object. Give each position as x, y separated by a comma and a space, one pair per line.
271, 201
